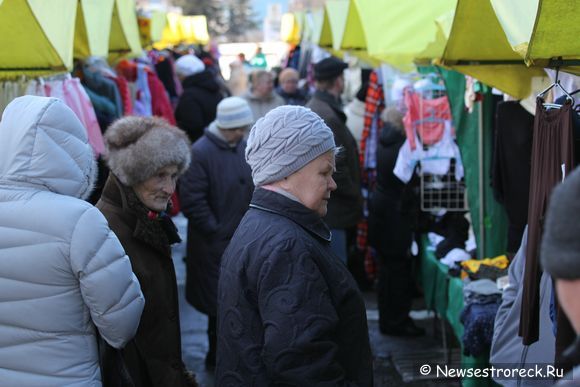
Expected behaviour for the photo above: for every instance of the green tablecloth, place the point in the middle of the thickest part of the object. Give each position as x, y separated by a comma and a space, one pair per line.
444, 294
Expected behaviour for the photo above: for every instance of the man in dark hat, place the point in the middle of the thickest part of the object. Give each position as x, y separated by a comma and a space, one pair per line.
345, 205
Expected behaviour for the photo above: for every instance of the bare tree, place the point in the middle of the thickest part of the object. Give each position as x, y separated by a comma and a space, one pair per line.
229, 18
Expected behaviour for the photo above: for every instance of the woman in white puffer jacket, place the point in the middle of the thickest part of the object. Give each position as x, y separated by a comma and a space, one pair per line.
62, 270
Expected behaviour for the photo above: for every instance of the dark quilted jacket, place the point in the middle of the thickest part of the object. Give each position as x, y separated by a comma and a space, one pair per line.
214, 193
289, 312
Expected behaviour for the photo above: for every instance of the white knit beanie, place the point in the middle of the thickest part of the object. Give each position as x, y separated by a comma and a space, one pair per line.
285, 140
188, 65
233, 112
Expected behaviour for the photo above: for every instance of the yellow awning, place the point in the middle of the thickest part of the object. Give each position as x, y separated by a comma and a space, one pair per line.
92, 28
325, 35
541, 31
194, 29
477, 46
187, 34
317, 25
337, 11
397, 32
36, 36
151, 27
124, 38
290, 29
171, 35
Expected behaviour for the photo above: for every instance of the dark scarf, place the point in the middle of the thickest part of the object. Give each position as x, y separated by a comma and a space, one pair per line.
334, 102
155, 229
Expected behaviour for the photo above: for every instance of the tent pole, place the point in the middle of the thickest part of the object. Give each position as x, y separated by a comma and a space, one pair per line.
481, 246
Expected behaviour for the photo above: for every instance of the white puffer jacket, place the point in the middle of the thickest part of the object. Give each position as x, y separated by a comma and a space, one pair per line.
62, 270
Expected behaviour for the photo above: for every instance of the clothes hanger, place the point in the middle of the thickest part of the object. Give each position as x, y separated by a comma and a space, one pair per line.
555, 84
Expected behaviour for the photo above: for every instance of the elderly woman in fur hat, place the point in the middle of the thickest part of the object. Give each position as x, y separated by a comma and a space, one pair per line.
146, 155
289, 311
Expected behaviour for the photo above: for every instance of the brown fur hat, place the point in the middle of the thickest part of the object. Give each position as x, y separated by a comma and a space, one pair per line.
137, 147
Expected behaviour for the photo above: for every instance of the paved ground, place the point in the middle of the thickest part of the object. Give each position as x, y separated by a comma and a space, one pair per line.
396, 360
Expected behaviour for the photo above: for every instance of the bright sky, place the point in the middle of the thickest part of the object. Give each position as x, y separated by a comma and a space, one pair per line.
260, 6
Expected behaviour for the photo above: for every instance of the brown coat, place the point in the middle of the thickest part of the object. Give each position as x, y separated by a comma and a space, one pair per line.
345, 205
153, 357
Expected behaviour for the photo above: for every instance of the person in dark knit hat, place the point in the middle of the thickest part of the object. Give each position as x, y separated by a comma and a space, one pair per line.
289, 312
560, 257
214, 195
146, 155
345, 206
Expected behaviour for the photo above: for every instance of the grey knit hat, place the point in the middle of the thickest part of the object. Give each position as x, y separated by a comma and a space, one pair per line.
560, 250
284, 141
137, 147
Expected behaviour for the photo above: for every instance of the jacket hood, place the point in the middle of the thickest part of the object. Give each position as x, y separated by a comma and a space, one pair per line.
45, 145
393, 130
391, 135
204, 80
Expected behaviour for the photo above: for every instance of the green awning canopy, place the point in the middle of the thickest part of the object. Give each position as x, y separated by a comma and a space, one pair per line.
316, 25
124, 37
397, 32
541, 31
36, 36
91, 35
337, 11
477, 46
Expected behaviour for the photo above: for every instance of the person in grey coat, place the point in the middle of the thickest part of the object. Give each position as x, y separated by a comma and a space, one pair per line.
507, 347
345, 207
289, 312
64, 276
215, 193
560, 258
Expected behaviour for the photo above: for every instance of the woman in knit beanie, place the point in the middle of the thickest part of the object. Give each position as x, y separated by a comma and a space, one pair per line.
289, 312
146, 155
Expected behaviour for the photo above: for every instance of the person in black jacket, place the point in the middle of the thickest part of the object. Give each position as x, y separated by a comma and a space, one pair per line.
196, 107
346, 206
390, 233
214, 194
289, 312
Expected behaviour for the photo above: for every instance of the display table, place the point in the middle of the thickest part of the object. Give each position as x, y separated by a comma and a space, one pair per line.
444, 295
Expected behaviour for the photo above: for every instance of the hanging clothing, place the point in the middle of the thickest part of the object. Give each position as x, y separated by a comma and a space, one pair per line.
427, 118
143, 104
552, 159
160, 104
101, 85
514, 128
435, 160
374, 105
125, 94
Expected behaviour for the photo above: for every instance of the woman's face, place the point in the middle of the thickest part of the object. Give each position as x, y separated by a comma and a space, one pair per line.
155, 192
313, 183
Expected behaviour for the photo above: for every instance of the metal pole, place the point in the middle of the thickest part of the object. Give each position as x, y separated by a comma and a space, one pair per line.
481, 177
